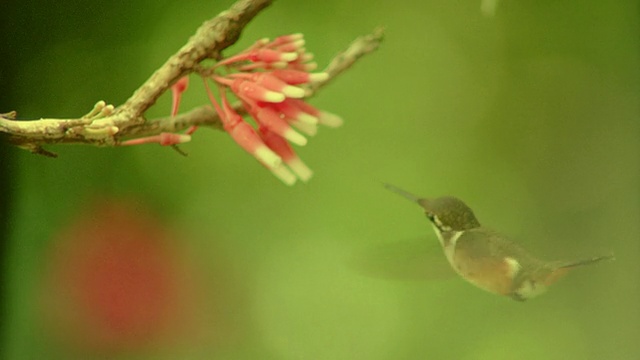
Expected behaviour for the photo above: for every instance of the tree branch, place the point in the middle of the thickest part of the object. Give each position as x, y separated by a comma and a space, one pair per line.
345, 59
108, 126
210, 39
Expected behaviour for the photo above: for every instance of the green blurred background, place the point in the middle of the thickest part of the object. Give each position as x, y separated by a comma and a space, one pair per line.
531, 116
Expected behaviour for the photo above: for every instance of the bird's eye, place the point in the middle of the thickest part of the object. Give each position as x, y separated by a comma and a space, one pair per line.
438, 223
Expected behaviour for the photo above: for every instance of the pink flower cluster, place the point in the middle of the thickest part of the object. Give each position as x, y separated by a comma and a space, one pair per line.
269, 78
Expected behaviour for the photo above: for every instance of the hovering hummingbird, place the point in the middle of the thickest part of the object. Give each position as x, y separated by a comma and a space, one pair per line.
486, 258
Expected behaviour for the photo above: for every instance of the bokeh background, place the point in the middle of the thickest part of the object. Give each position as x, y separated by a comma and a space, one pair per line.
531, 116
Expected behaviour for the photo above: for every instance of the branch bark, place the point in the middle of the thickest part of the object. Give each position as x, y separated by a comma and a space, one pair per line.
105, 125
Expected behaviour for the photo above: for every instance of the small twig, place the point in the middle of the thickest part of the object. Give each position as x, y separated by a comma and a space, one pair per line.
106, 126
344, 60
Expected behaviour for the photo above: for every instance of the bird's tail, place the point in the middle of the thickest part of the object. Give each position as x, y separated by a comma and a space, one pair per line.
561, 268
576, 263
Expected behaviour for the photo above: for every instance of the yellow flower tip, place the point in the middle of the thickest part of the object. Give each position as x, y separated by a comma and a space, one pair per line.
306, 57
309, 66
97, 110
307, 118
284, 174
321, 76
300, 169
182, 138
307, 129
288, 56
293, 92
295, 137
267, 157
273, 97
330, 120
298, 43
166, 139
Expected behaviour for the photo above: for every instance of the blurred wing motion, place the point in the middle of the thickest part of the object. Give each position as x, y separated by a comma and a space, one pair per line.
415, 259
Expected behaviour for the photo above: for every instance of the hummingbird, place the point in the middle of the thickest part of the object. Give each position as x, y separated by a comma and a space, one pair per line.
486, 258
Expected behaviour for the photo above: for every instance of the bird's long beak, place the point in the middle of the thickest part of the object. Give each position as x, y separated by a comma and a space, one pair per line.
402, 193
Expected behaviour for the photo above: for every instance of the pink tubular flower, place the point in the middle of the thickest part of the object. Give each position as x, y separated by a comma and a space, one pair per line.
243, 134
252, 91
272, 120
164, 139
295, 77
284, 150
176, 90
273, 83
270, 78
